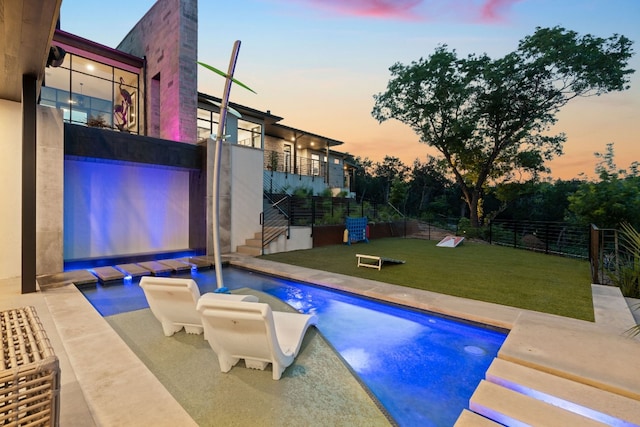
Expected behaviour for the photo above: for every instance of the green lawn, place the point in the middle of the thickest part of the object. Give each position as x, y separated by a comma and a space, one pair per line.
497, 274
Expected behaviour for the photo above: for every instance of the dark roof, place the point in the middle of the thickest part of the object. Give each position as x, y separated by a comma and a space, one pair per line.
272, 128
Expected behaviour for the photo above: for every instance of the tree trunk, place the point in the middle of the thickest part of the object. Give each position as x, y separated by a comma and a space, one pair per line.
473, 208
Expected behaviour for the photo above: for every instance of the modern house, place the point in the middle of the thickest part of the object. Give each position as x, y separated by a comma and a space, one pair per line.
115, 148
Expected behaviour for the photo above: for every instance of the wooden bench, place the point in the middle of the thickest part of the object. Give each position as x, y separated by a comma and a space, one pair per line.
373, 261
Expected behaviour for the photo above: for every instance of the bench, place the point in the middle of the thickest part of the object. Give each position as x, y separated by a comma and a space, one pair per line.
373, 261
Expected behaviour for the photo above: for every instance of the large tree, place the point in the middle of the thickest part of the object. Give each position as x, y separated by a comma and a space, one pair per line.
490, 119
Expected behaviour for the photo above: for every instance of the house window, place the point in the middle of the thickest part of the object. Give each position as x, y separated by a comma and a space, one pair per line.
287, 157
249, 134
207, 124
315, 164
93, 93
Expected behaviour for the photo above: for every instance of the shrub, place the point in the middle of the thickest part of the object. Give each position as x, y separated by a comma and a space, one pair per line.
467, 230
627, 273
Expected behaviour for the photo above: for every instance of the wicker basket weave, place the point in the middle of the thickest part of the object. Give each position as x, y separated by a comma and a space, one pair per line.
29, 372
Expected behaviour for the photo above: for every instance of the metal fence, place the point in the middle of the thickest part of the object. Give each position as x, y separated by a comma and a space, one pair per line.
604, 254
318, 210
558, 238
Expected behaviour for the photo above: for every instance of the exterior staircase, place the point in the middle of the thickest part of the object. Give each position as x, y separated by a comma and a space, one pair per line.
274, 224
253, 246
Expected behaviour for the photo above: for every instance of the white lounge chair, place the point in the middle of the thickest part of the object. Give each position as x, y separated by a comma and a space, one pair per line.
173, 302
251, 331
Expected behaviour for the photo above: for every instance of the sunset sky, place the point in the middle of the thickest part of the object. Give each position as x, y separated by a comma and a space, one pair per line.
318, 63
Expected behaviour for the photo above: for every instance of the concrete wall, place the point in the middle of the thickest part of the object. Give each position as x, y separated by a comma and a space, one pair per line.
246, 193
299, 238
10, 189
168, 37
240, 195
49, 191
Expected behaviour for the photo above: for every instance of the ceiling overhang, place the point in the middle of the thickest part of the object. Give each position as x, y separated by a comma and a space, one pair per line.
302, 139
26, 31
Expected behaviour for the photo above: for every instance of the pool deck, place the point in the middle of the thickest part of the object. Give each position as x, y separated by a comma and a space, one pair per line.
551, 370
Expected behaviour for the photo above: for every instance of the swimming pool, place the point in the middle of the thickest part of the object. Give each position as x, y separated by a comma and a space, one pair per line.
423, 368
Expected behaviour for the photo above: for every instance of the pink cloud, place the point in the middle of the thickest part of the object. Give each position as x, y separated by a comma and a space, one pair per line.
483, 11
383, 9
493, 10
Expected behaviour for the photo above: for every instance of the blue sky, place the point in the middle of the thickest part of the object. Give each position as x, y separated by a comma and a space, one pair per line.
318, 63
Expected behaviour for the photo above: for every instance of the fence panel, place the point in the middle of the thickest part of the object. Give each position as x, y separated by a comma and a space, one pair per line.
558, 238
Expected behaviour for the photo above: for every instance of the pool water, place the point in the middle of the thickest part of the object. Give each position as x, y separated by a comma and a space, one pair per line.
422, 368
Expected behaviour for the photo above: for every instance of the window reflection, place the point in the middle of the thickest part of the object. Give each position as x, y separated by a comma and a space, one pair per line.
91, 93
249, 134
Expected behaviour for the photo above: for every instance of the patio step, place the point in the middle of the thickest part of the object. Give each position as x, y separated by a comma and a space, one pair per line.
611, 309
471, 419
252, 247
248, 250
591, 402
511, 408
107, 274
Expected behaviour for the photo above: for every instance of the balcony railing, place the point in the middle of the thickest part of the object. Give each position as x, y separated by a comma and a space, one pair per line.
284, 162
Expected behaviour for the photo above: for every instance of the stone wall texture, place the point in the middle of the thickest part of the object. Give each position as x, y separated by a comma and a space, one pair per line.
167, 36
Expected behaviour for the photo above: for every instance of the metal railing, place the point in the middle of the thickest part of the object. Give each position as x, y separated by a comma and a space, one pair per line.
277, 161
274, 219
557, 238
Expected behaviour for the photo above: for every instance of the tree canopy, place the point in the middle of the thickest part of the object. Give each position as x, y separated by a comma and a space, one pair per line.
612, 200
490, 119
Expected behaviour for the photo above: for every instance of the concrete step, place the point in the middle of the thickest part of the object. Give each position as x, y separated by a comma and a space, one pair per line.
249, 250
512, 408
471, 419
254, 243
611, 309
594, 403
106, 274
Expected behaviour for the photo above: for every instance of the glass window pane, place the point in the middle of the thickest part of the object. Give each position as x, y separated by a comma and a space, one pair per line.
204, 129
204, 114
92, 68
125, 108
47, 94
250, 134
92, 96
57, 78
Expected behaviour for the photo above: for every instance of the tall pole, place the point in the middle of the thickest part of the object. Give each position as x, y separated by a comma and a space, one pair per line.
216, 164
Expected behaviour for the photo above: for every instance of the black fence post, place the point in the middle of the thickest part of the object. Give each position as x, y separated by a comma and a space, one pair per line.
490, 232
546, 238
291, 210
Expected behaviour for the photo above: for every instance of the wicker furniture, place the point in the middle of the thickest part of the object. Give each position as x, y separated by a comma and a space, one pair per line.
29, 372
